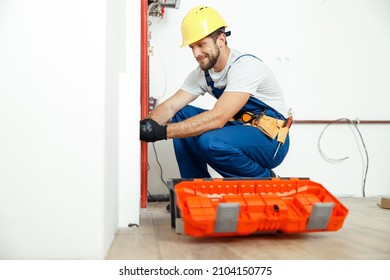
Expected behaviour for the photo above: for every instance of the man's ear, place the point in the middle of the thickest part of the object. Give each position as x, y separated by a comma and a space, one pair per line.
221, 40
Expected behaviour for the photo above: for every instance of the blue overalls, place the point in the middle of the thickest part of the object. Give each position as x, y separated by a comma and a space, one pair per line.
235, 150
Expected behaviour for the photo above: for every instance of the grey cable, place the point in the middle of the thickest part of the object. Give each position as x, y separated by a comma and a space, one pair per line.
355, 124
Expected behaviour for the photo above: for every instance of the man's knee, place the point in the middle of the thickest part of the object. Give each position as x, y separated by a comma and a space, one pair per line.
209, 146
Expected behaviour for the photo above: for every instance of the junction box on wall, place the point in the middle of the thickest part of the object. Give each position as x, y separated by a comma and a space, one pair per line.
156, 7
170, 3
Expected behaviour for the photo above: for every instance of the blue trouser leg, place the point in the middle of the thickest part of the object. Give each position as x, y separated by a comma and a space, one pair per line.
189, 159
235, 150
238, 150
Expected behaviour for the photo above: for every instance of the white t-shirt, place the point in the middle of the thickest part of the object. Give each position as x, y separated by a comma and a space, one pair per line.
246, 74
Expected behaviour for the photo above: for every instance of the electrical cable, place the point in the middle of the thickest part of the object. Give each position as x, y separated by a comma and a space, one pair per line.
168, 207
159, 164
355, 124
155, 5
163, 70
149, 194
152, 198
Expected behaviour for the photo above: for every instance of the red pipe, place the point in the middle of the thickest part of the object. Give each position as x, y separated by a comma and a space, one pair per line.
341, 121
144, 99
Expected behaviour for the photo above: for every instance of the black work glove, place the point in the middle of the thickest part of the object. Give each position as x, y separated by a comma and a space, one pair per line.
151, 131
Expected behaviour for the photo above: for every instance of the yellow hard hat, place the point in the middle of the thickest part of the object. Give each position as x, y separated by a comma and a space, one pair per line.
200, 22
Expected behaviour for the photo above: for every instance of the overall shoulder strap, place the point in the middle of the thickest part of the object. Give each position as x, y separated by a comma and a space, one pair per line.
216, 91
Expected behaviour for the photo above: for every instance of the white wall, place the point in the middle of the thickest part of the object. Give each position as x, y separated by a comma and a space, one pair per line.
63, 126
339, 63
129, 116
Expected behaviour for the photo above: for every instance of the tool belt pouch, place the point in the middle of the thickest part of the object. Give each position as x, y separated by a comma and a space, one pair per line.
271, 127
282, 134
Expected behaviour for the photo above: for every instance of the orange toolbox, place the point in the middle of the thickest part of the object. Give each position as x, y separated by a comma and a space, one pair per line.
238, 207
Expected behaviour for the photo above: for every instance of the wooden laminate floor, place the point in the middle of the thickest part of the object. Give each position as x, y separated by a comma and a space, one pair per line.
365, 235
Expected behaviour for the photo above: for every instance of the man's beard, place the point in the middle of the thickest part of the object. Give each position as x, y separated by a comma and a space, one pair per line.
212, 61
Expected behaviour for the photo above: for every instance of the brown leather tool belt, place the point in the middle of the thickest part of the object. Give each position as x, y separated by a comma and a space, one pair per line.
270, 126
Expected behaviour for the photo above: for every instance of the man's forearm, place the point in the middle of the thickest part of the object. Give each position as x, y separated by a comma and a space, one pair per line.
195, 125
160, 114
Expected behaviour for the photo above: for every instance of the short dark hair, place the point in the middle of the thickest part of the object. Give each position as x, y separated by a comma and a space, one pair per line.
216, 34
